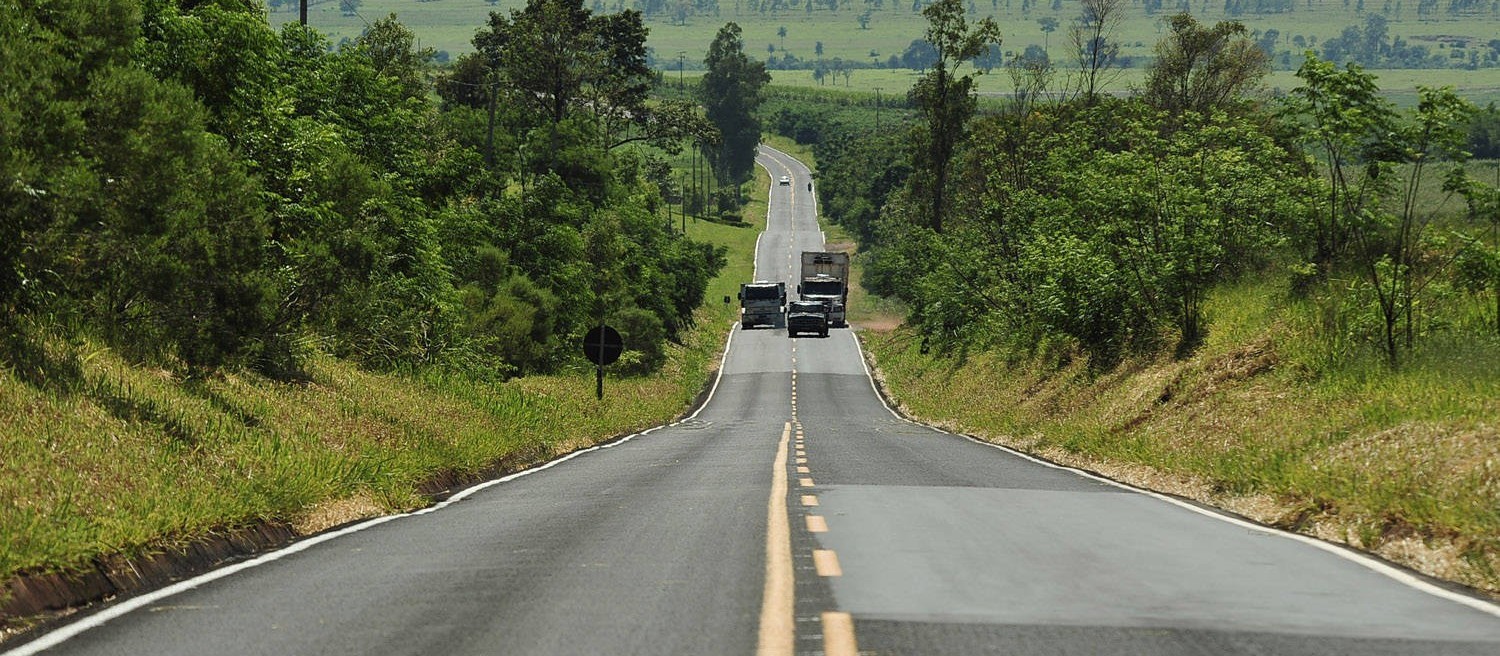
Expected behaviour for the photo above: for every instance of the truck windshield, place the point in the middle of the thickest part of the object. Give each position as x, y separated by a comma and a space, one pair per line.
762, 294
823, 288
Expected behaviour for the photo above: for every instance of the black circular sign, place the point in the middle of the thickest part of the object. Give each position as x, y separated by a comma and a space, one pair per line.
602, 345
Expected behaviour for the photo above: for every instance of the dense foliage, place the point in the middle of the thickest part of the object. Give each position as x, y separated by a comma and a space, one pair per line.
1100, 225
195, 187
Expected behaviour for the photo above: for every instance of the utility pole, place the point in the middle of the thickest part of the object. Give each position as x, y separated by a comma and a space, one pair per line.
680, 55
877, 110
302, 12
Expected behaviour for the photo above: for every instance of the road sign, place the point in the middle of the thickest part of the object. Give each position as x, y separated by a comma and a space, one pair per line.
602, 345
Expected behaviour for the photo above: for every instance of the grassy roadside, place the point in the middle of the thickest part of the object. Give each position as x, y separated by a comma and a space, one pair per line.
105, 457
1405, 465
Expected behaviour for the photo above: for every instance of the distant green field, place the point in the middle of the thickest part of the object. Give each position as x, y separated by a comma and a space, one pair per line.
448, 25
1481, 86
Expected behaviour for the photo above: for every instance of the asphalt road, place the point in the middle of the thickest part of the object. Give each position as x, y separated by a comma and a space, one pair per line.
794, 512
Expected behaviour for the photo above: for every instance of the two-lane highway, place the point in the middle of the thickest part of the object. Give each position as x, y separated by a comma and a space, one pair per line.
944, 545
795, 513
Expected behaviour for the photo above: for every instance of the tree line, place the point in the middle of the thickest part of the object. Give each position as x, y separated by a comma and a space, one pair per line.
1067, 220
190, 186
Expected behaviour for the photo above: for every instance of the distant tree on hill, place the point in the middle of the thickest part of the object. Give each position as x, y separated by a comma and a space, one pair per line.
730, 91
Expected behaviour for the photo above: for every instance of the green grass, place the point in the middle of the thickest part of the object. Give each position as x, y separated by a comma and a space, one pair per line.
105, 456
449, 25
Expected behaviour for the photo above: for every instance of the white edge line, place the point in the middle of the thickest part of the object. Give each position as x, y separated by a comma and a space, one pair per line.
1344, 552
723, 359
63, 634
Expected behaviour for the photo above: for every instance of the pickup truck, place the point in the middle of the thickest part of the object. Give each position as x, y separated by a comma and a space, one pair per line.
807, 317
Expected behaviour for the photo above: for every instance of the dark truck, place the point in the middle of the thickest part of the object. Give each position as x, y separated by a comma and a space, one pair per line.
807, 317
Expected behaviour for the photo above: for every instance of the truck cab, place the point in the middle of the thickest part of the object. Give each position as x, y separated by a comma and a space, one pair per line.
762, 303
828, 290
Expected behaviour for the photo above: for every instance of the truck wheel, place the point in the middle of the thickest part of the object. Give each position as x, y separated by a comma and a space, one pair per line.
745, 325
825, 332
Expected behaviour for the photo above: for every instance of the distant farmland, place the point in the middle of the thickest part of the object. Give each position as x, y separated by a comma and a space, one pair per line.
448, 26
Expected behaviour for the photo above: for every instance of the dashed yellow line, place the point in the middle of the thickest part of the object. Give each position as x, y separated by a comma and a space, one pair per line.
816, 524
805, 482
809, 500
827, 563
838, 635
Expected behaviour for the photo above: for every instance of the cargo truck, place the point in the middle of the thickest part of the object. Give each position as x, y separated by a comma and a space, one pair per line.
825, 277
761, 303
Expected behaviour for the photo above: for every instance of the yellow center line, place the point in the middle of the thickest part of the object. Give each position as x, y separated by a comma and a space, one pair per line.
805, 482
809, 500
778, 626
816, 524
838, 635
803, 470
827, 562
801, 461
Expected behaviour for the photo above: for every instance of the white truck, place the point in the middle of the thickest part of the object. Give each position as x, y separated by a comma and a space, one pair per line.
762, 303
825, 277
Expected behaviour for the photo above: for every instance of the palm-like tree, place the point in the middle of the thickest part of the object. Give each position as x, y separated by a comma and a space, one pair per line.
1049, 25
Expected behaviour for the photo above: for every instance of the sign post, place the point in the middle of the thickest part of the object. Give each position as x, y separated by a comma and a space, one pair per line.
602, 346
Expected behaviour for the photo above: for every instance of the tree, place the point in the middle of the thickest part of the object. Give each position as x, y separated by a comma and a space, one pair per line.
1202, 69
781, 32
562, 60
1092, 34
1391, 249
945, 99
1377, 162
1478, 262
1048, 25
1337, 112
730, 92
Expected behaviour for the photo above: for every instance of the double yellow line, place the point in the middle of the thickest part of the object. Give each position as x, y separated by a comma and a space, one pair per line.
778, 624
